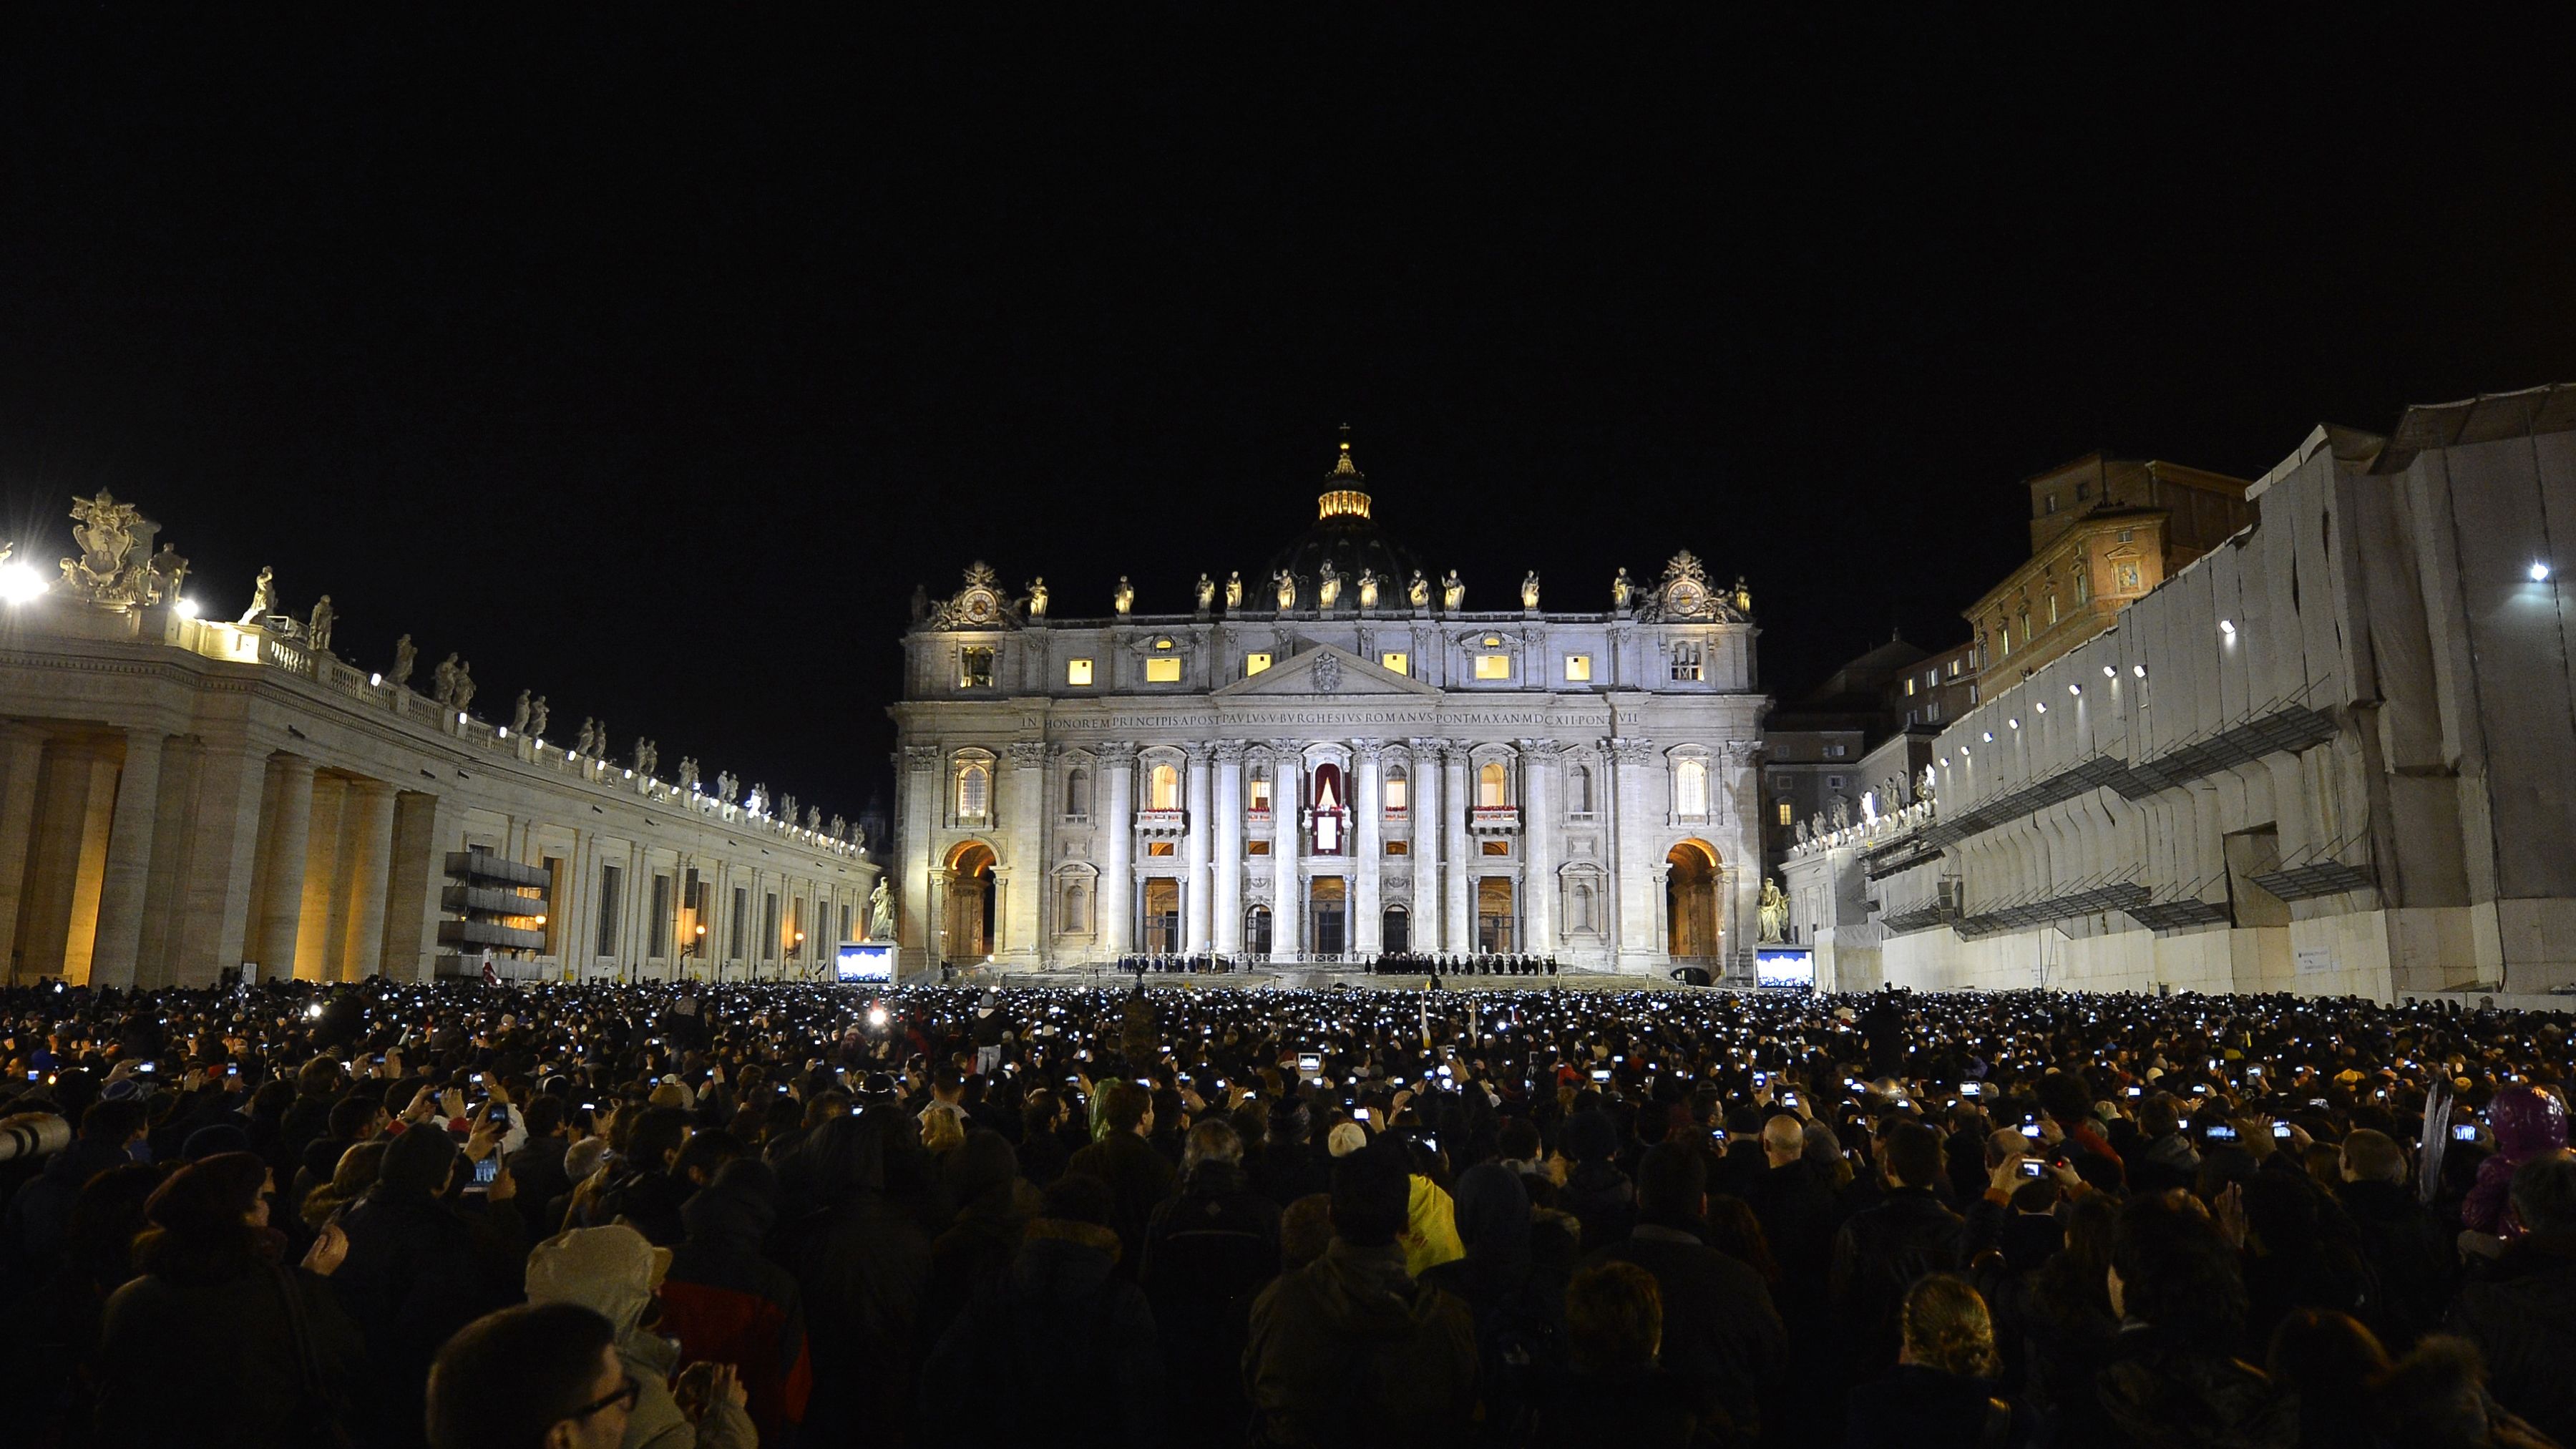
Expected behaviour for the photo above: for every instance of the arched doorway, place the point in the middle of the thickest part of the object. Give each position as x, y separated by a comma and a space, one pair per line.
1690, 901
967, 919
1395, 930
1256, 931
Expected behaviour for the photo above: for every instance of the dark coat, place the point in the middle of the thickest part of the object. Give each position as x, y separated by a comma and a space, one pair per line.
215, 1363
42, 1210
538, 1168
1633, 1408
2410, 1256
1795, 1205
417, 1271
1915, 1407
1138, 1177
1721, 1334
861, 1267
725, 1303
975, 1252
2161, 1390
1879, 1254
1349, 1349
2523, 1318
1057, 1352
1208, 1252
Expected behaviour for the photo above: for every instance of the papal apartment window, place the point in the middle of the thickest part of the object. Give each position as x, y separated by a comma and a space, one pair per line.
1077, 671
2083, 585
2025, 626
974, 790
1578, 668
1255, 663
1787, 812
1163, 669
2052, 610
1493, 666
1909, 686
974, 669
1686, 661
1954, 669
1395, 661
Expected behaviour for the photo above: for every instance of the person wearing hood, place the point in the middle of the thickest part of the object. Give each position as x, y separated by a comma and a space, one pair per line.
726, 1303
2522, 1311
1207, 1252
612, 1272
994, 1205
1350, 1347
2527, 1123
861, 1263
1513, 1280
1058, 1350
420, 1268
219, 1342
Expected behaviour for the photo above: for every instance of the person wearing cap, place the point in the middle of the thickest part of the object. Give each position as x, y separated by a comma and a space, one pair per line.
613, 1272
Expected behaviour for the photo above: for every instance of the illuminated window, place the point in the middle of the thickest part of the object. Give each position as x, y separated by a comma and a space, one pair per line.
2025, 626
1162, 643
1954, 669
1256, 847
974, 790
1578, 668
1397, 847
1690, 788
1260, 789
1163, 669
1493, 666
2083, 585
1786, 812
1077, 671
1686, 661
1394, 661
1909, 686
1497, 847
1163, 788
2052, 610
1158, 847
974, 669
1398, 791
1255, 663
1489, 786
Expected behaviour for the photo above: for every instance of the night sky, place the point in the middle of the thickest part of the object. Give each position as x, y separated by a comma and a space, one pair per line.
653, 363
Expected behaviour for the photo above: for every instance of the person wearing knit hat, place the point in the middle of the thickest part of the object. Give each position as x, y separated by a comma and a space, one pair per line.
612, 1271
1346, 1138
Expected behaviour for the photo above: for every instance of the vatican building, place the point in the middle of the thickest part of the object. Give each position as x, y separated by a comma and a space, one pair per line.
1332, 758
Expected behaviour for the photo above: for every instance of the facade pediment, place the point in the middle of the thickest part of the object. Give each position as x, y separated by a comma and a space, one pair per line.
1321, 669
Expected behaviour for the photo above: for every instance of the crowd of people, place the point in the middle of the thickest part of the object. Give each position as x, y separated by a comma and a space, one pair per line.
466, 1216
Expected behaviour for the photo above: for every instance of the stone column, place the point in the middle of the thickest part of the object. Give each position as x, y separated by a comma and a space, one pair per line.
1198, 892
22, 753
1287, 841
370, 832
281, 906
1117, 904
96, 819
1023, 828
1225, 887
1427, 805
217, 927
1458, 928
1741, 829
913, 857
1538, 842
1368, 759
1638, 866
324, 919
129, 861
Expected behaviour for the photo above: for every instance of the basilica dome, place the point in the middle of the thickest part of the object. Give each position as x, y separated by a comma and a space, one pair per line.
1347, 536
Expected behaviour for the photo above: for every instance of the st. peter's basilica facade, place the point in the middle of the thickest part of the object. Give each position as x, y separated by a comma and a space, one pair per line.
1332, 759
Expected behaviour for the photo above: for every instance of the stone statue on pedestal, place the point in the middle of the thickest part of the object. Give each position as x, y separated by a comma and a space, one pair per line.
1774, 913
758, 801
164, 575
1620, 591
464, 688
537, 717
1802, 832
787, 808
689, 773
1743, 598
1233, 590
1418, 592
263, 597
588, 739
405, 656
1328, 586
728, 786
318, 632
1037, 597
840, 828
1368, 588
1453, 594
1923, 790
813, 819
1529, 590
1285, 583
646, 757
1124, 598
881, 912
1207, 593
521, 711
1838, 810
444, 687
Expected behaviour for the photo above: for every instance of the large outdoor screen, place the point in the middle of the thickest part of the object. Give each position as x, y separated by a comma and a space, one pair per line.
1784, 967
863, 963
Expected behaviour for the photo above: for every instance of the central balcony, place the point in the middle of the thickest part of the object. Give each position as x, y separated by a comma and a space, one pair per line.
1494, 819
1162, 822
